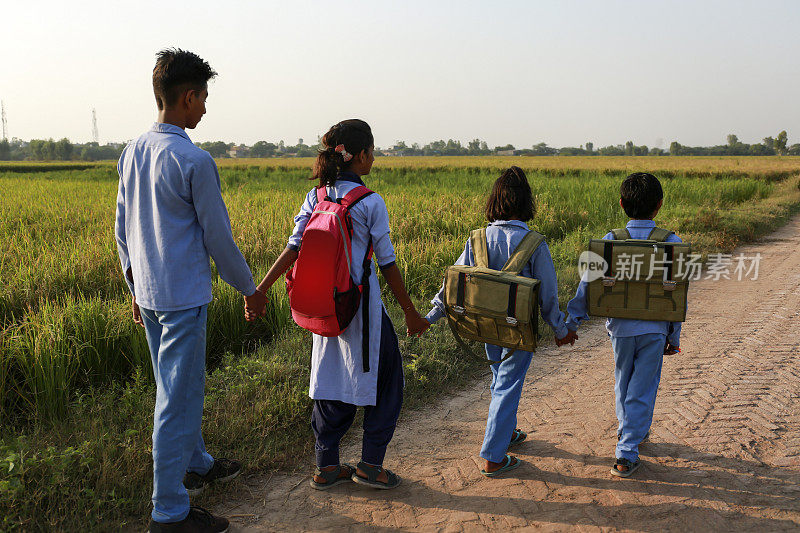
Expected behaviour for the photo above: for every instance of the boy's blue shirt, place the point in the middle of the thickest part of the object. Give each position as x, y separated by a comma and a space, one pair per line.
623, 327
170, 219
503, 237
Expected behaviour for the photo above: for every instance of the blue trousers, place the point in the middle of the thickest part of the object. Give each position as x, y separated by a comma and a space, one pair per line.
177, 341
637, 373
507, 380
330, 419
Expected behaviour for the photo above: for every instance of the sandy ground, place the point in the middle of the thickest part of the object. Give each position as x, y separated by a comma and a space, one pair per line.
724, 453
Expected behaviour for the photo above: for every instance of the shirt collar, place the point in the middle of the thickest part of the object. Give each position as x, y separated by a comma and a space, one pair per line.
640, 224
518, 223
160, 127
352, 177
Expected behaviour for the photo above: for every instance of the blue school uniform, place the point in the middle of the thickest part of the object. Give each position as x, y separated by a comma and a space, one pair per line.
339, 383
170, 218
503, 237
638, 356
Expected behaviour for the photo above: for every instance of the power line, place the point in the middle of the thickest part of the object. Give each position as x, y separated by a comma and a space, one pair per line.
4, 120
95, 133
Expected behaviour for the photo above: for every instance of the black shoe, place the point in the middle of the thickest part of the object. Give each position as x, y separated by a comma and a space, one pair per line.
221, 470
197, 521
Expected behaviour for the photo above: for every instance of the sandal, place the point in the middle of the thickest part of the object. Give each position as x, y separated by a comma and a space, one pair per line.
517, 437
372, 477
332, 477
509, 463
630, 467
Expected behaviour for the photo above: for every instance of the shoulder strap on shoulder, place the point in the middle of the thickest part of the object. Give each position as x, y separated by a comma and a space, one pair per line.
356, 195
322, 192
621, 234
659, 235
523, 253
480, 250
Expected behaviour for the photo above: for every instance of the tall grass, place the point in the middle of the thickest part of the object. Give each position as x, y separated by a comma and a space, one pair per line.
64, 307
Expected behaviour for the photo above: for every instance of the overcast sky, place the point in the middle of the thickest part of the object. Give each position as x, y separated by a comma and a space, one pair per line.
562, 72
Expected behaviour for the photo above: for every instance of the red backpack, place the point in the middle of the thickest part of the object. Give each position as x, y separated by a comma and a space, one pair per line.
322, 294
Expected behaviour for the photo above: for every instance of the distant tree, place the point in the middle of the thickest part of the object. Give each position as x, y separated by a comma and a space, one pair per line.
769, 142
589, 147
5, 150
780, 143
733, 140
216, 148
63, 150
656, 151
629, 148
675, 148
263, 149
504, 148
793, 150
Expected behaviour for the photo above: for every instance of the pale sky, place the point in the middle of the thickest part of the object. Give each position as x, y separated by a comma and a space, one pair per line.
562, 72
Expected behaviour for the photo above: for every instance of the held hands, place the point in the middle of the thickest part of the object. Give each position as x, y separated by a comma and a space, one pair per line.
137, 314
255, 306
416, 325
569, 338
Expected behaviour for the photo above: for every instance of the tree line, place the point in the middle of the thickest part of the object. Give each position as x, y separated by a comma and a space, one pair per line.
64, 150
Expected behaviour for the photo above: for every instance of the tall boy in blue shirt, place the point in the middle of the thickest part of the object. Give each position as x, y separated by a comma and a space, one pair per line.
170, 219
639, 345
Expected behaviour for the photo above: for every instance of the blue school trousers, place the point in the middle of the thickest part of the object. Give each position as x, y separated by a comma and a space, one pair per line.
637, 373
330, 419
177, 341
507, 380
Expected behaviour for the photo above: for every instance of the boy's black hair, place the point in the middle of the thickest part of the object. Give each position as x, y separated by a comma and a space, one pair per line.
176, 71
511, 197
640, 193
355, 135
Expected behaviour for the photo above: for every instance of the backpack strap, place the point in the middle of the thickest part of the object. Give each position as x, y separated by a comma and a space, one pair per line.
523, 252
353, 197
621, 234
322, 193
480, 251
659, 235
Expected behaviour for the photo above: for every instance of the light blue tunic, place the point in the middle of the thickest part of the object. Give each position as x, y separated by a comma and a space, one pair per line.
170, 219
623, 327
337, 371
503, 237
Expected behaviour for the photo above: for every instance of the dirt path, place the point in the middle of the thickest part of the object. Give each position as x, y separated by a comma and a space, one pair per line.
724, 454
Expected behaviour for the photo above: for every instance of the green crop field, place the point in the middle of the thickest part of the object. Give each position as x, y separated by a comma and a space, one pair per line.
75, 388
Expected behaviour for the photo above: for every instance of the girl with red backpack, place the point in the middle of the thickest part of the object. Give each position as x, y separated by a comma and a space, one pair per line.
334, 292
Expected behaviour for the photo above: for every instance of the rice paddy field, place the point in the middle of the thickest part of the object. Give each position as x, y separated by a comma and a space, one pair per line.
76, 393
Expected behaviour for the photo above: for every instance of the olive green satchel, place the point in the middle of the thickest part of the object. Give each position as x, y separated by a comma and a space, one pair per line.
642, 279
497, 307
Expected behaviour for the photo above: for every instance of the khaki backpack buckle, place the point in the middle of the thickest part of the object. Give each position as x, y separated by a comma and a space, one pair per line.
669, 285
609, 281
511, 320
457, 309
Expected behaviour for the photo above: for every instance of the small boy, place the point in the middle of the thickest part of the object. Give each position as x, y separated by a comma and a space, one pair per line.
170, 219
639, 345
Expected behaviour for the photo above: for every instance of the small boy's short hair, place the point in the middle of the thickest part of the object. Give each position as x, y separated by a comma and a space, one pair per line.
640, 193
511, 197
177, 70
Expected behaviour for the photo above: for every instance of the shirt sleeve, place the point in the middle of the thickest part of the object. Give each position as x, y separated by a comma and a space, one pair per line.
301, 220
119, 229
578, 307
545, 271
438, 309
217, 236
378, 224
674, 330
